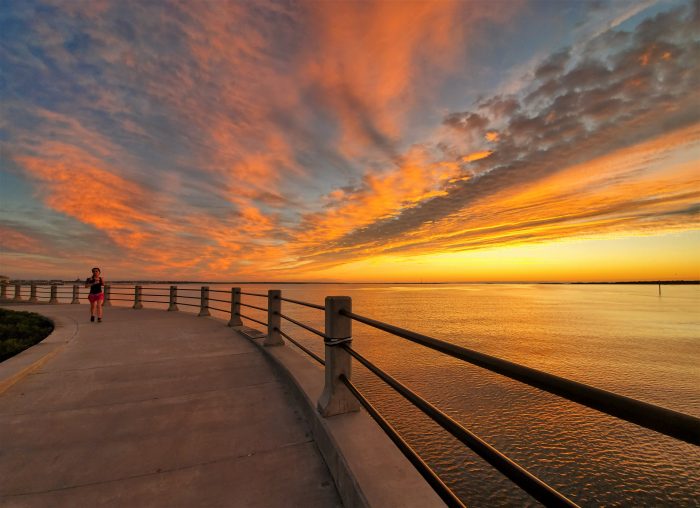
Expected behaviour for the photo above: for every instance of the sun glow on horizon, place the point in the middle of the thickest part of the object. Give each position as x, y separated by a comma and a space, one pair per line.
607, 259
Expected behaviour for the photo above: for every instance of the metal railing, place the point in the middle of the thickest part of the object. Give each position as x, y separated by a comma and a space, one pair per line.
516, 473
340, 395
672, 423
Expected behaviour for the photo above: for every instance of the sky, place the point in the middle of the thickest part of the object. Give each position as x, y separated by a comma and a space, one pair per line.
417, 141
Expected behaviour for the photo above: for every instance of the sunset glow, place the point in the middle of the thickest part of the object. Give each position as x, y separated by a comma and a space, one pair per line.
351, 141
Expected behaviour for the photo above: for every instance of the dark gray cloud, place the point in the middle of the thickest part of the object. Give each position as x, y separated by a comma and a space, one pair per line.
367, 125
499, 106
466, 121
48, 232
587, 75
552, 66
643, 86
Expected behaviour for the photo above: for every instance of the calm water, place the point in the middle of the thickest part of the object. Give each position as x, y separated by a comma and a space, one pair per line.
621, 338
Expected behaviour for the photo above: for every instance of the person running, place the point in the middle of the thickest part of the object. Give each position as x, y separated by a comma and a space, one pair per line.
96, 296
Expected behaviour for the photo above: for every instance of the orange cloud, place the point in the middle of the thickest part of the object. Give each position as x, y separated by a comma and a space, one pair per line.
75, 183
636, 190
393, 34
15, 241
476, 156
492, 136
381, 197
373, 60
600, 197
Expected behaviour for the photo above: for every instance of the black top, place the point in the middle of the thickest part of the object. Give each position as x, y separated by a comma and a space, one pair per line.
96, 287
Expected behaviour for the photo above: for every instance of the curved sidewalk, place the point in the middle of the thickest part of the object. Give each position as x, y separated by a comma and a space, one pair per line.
151, 408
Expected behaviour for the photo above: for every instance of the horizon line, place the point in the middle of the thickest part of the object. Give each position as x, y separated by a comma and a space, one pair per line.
175, 281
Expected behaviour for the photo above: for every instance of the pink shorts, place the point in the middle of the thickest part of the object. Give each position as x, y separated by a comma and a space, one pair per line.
96, 297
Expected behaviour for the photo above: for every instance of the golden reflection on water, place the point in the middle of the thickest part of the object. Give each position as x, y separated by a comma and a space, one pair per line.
622, 338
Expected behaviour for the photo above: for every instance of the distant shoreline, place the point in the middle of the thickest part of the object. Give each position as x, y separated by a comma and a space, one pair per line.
269, 283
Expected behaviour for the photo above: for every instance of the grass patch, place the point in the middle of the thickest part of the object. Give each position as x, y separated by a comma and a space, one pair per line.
21, 330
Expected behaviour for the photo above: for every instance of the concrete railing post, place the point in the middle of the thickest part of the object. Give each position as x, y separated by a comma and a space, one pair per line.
336, 398
32, 293
204, 302
274, 309
173, 299
54, 294
138, 304
76, 294
235, 307
18, 293
107, 296
3, 290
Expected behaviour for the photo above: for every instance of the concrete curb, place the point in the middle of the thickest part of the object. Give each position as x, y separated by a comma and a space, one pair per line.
368, 469
19, 366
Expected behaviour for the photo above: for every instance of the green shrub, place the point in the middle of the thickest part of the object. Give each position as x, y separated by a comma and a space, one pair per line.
21, 330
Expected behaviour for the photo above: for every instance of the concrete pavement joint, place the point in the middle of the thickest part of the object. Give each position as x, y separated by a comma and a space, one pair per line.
164, 471
150, 362
141, 401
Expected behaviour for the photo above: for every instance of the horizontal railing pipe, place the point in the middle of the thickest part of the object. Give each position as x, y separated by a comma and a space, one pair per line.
254, 294
188, 305
305, 304
424, 469
302, 325
253, 319
253, 307
666, 421
302, 347
516, 473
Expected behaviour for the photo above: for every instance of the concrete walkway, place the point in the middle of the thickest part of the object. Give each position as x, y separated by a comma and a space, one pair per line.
152, 408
